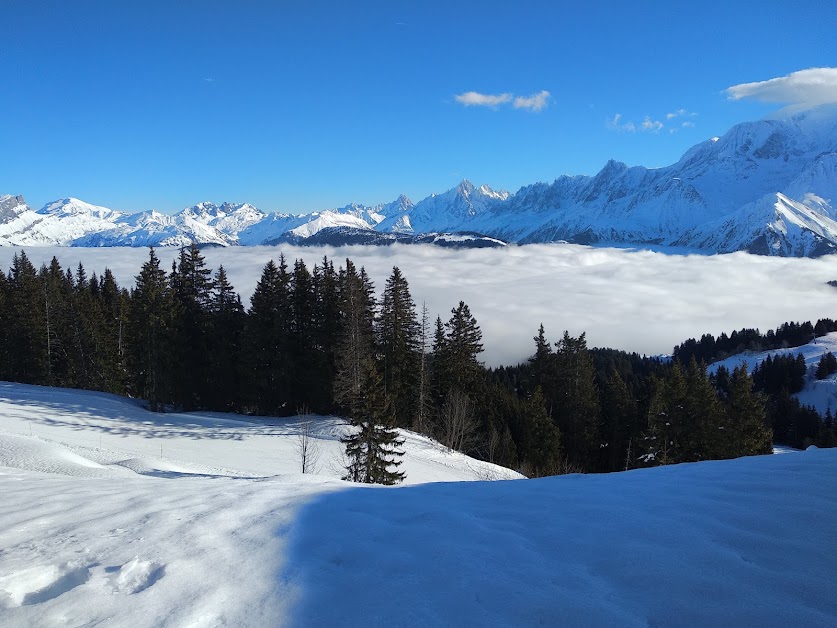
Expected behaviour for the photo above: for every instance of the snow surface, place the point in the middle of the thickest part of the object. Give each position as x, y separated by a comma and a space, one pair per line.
97, 529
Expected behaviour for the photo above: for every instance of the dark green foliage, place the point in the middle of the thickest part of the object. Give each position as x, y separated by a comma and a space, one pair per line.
826, 366
780, 372
227, 320
747, 431
150, 325
541, 447
576, 401
710, 349
355, 346
267, 365
373, 447
398, 338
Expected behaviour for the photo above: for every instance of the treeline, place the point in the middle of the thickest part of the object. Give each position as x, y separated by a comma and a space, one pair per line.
710, 349
318, 340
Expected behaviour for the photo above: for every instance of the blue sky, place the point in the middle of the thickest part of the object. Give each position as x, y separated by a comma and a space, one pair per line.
298, 106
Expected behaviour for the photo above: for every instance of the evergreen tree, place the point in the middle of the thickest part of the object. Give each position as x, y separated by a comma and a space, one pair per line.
226, 331
576, 409
619, 423
542, 444
326, 335
748, 433
398, 335
355, 349
150, 325
373, 446
267, 341
423, 391
28, 358
191, 286
303, 338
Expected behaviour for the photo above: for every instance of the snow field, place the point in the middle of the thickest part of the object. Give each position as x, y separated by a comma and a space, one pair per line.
97, 529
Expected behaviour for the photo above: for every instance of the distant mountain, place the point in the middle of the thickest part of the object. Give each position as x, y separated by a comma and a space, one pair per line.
766, 187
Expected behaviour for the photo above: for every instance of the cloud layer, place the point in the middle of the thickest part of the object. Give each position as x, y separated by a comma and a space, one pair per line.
535, 102
634, 300
798, 90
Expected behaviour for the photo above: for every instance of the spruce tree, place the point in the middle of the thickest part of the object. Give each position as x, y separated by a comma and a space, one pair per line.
542, 444
191, 286
267, 341
226, 331
576, 408
747, 422
355, 349
150, 325
27, 355
373, 447
398, 336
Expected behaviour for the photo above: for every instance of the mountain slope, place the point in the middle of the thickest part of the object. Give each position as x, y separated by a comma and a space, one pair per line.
767, 187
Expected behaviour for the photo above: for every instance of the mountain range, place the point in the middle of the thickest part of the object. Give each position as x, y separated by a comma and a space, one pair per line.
765, 187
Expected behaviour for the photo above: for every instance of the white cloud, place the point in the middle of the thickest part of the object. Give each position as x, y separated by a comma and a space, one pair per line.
798, 90
688, 123
675, 114
633, 300
535, 102
475, 99
616, 124
650, 125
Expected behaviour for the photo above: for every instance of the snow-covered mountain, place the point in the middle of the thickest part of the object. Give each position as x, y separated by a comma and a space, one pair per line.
768, 187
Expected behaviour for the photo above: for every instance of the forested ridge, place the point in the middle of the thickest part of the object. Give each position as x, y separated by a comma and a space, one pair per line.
319, 340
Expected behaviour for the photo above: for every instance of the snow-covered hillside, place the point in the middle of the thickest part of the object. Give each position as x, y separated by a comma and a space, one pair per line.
97, 528
767, 187
819, 393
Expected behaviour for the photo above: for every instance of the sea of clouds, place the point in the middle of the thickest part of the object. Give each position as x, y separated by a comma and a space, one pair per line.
635, 300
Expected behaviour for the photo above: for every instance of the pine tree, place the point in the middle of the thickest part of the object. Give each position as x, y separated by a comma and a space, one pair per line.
576, 409
267, 341
398, 335
542, 443
355, 347
373, 446
191, 286
27, 355
150, 324
226, 331
303, 338
326, 335
619, 420
747, 423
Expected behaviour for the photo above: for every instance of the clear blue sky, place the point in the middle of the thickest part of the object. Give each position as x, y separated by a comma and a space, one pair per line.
297, 106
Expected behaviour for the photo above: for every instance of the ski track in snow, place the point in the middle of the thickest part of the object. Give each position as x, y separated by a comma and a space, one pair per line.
222, 530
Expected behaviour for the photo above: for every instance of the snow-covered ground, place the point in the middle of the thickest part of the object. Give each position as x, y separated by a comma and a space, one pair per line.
822, 394
97, 528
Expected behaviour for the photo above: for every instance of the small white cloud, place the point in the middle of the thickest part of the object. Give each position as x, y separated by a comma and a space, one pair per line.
535, 102
650, 125
798, 90
616, 124
208, 79
688, 123
475, 99
676, 114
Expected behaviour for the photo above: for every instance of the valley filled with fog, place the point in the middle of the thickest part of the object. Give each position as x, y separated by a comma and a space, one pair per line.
635, 300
